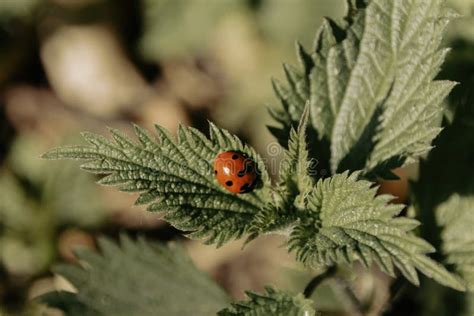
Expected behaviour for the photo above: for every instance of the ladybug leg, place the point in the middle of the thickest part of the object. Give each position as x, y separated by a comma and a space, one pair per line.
249, 166
245, 188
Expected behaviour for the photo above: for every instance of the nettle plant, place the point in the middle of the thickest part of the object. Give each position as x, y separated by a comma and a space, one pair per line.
362, 102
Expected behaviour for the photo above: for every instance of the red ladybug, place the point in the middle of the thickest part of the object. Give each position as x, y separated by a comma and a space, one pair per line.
235, 171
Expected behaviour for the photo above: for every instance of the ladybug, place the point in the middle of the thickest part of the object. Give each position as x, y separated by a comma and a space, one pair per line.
235, 171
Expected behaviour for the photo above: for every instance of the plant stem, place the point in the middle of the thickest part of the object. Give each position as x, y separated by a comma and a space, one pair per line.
349, 293
396, 292
345, 286
313, 284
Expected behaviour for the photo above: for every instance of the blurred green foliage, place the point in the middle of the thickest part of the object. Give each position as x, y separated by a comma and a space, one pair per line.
17, 8
163, 279
35, 202
463, 27
249, 39
182, 28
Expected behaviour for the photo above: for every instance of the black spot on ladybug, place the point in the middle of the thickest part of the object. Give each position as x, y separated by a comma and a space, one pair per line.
235, 171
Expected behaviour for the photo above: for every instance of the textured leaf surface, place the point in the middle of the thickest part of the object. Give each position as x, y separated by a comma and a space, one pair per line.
344, 221
175, 177
370, 84
456, 216
271, 302
295, 166
295, 182
68, 303
138, 278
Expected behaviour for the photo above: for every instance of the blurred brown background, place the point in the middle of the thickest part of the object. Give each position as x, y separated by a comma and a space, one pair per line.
73, 65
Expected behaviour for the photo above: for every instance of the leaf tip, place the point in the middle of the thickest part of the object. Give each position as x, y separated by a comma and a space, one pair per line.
49, 155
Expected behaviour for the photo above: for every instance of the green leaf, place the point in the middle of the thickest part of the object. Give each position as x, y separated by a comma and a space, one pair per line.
21, 8
456, 216
345, 221
138, 278
395, 43
295, 166
67, 302
447, 169
294, 184
470, 305
444, 186
271, 302
373, 80
176, 177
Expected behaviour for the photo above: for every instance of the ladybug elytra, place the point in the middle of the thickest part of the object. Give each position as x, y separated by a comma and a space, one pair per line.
235, 171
